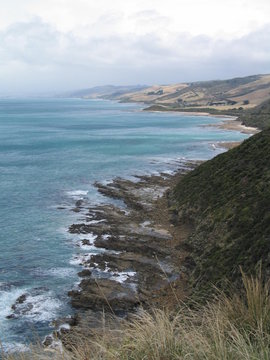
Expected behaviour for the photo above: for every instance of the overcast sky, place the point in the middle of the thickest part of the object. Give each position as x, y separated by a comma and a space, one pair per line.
58, 45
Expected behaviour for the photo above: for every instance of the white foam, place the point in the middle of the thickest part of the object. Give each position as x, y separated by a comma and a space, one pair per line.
45, 307
90, 236
116, 276
7, 299
169, 172
123, 276
214, 147
83, 246
95, 221
64, 327
80, 259
77, 194
145, 223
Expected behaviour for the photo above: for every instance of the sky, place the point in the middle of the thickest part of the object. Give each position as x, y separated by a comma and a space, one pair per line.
50, 46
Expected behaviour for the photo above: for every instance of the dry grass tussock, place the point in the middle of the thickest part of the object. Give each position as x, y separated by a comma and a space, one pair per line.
230, 328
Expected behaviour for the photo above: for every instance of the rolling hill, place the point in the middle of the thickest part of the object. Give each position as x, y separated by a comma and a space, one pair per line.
246, 92
212, 96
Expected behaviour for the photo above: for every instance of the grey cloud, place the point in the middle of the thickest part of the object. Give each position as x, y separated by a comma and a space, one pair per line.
35, 56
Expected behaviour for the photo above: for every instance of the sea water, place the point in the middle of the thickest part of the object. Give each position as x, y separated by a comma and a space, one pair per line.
51, 153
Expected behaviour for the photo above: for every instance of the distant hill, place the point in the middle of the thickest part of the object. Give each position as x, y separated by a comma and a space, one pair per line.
245, 93
247, 98
105, 92
226, 203
231, 95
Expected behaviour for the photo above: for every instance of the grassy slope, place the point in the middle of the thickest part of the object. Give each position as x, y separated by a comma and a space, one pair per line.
219, 95
227, 200
235, 327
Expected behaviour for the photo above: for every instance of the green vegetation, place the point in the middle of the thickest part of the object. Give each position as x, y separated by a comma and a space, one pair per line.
227, 202
231, 112
258, 117
232, 327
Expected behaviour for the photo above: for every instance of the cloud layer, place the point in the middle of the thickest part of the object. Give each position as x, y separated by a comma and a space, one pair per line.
37, 55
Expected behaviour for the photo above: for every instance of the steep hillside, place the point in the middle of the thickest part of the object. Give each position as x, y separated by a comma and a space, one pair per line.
257, 117
227, 203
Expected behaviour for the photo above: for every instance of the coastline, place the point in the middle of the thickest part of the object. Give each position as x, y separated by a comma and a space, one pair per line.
234, 124
147, 217
138, 257
130, 256
228, 122
139, 248
192, 113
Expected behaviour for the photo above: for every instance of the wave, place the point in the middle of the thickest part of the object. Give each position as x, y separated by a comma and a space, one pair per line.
7, 299
77, 194
39, 305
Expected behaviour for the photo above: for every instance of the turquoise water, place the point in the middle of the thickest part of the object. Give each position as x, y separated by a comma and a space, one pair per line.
51, 152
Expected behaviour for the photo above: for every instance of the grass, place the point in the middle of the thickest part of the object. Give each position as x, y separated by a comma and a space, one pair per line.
235, 327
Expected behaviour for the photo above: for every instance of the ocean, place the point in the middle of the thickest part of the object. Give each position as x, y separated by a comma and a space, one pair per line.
51, 153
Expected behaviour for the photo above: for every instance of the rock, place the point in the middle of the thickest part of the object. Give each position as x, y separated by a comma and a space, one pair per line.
72, 321
79, 203
85, 273
11, 316
85, 242
146, 258
47, 341
21, 299
103, 294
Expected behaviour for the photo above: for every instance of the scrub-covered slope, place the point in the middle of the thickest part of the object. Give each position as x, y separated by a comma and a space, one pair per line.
227, 203
257, 117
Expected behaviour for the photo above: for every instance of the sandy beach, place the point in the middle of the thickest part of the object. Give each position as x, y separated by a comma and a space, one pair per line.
234, 124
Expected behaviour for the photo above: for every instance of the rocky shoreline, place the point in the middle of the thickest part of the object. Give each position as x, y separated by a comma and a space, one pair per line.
131, 255
134, 258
